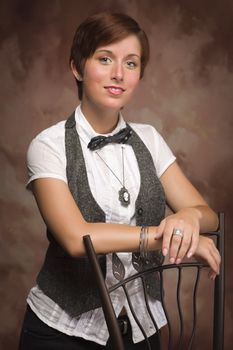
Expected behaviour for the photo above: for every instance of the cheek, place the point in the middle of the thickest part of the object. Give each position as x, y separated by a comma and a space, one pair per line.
94, 75
134, 81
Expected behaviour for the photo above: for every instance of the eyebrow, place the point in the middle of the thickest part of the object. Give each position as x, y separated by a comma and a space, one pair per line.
111, 53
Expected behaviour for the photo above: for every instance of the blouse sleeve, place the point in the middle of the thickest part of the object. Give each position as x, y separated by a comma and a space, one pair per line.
164, 157
46, 159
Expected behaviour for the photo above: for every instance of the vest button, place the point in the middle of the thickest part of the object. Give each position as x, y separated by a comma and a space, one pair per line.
140, 211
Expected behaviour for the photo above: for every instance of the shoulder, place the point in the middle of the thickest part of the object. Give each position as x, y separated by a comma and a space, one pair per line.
143, 128
160, 151
52, 137
147, 133
52, 133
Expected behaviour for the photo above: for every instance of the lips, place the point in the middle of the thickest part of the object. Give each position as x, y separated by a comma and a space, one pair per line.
115, 90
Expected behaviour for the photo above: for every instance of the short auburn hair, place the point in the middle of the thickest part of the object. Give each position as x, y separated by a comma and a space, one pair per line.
104, 29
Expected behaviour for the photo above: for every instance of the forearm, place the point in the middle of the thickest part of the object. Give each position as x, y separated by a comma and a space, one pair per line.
207, 218
107, 237
186, 201
68, 226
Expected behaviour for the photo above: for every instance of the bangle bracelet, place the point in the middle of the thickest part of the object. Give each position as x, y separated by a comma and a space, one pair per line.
146, 243
142, 234
143, 242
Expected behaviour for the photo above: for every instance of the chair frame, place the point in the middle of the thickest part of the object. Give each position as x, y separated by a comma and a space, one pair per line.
219, 293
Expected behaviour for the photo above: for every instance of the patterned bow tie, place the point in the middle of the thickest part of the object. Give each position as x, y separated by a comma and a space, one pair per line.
98, 142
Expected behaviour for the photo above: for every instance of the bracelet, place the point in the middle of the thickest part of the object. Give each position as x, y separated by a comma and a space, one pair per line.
143, 242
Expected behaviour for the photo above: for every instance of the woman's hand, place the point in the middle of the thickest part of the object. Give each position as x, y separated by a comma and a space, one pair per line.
192, 215
185, 243
207, 251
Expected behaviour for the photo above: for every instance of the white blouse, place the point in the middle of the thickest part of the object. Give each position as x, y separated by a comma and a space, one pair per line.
46, 158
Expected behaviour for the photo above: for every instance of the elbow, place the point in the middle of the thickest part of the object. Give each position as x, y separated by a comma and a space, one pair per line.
76, 249
74, 245
215, 221
209, 219
71, 239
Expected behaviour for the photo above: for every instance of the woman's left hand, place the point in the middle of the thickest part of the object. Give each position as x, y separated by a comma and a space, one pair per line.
207, 251
180, 234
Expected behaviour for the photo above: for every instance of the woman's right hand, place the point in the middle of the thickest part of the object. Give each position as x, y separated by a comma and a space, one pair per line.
208, 252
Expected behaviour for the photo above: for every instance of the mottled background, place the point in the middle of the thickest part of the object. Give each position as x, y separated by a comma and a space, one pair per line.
186, 95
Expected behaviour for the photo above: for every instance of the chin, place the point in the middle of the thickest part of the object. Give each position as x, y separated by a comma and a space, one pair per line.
117, 103
114, 105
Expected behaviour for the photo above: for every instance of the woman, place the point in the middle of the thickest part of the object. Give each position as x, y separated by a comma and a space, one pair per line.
96, 174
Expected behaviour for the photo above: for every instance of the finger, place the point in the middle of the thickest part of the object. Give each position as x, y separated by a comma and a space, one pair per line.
194, 242
217, 258
160, 229
213, 261
174, 247
217, 255
212, 275
167, 236
214, 257
184, 246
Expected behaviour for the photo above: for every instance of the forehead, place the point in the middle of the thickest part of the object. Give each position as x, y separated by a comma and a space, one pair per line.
130, 45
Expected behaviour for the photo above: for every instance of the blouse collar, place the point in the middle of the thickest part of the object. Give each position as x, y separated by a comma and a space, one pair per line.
85, 130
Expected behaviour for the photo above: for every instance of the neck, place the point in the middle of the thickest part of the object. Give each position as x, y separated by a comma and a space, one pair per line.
102, 121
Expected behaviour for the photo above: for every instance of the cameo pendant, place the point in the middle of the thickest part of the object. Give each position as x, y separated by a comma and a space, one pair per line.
124, 197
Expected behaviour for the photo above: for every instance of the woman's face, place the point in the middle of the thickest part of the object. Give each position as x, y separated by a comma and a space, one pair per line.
112, 74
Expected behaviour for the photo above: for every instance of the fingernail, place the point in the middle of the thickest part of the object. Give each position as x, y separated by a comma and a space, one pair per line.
178, 261
165, 251
172, 260
189, 254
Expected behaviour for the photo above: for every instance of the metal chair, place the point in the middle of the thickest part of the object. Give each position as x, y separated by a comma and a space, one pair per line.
196, 268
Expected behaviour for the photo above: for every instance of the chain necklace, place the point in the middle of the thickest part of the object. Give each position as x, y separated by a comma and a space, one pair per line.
124, 195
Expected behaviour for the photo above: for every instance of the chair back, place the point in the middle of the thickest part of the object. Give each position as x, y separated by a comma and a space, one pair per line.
179, 285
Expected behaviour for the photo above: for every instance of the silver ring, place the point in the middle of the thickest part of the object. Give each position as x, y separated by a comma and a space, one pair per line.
178, 232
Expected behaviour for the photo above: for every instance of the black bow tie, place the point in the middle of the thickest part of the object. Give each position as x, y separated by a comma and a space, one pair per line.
98, 142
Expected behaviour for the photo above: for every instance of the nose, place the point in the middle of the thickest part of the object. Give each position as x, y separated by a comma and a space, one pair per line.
117, 72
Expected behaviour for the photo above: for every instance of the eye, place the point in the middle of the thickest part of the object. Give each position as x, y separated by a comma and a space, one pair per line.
131, 64
105, 60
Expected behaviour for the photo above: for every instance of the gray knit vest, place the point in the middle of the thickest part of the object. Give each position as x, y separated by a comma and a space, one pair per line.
69, 281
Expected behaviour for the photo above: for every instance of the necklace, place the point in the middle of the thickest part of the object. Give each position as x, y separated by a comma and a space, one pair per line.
124, 195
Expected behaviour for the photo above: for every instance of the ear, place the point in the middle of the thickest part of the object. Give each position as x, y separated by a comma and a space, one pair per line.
74, 71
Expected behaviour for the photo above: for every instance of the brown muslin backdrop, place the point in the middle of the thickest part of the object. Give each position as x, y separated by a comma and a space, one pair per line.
187, 94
